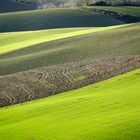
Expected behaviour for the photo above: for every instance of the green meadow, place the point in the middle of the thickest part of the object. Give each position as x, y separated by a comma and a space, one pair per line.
54, 18
107, 110
62, 18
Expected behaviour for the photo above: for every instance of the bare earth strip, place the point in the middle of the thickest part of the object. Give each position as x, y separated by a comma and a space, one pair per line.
51, 80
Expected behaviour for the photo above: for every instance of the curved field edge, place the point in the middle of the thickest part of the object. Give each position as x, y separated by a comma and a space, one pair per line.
106, 110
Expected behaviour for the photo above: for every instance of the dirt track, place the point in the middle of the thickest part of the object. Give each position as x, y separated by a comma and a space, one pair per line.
48, 81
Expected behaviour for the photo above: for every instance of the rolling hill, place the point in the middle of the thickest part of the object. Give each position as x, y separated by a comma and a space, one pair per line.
54, 18
69, 51
12, 6
28, 50
62, 18
106, 110
69, 47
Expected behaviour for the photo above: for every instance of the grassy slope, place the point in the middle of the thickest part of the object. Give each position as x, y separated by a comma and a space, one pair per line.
19, 40
101, 44
106, 110
60, 18
53, 18
10, 6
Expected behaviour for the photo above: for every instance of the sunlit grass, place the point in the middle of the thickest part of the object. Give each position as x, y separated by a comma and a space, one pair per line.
15, 41
106, 110
27, 50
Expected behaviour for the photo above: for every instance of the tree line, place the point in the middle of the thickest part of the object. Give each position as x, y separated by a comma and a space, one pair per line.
117, 2
43, 4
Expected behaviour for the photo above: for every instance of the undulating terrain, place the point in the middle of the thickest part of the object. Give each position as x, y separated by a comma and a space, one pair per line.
65, 62
54, 18
28, 50
107, 110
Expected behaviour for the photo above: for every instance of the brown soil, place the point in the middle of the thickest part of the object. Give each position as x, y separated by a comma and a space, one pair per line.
48, 81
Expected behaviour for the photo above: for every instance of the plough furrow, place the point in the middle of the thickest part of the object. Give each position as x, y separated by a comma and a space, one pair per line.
5, 95
43, 76
47, 81
14, 99
64, 73
90, 70
29, 92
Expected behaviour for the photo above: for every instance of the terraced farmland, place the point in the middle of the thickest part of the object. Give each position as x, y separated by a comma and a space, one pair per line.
107, 110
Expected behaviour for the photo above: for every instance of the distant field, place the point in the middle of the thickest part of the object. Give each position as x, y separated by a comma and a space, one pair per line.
130, 10
28, 50
54, 18
107, 110
11, 6
62, 18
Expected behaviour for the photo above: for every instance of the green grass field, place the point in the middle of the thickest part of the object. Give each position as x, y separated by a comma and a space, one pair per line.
106, 110
28, 50
54, 18
62, 18
19, 40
